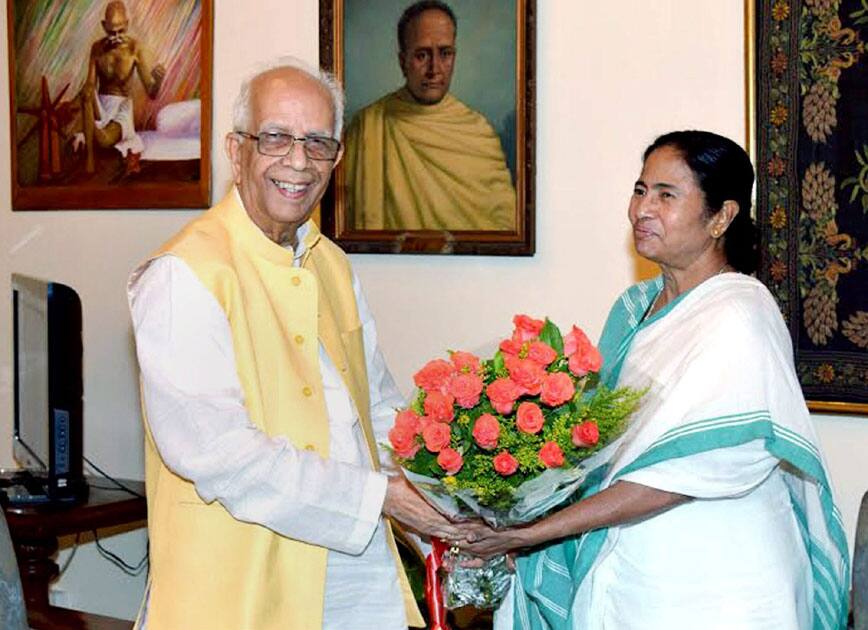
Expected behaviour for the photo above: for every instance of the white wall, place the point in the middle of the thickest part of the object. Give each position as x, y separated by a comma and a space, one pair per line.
611, 76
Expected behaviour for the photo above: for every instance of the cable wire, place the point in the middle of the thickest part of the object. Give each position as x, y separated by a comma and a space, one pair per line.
112, 479
119, 562
129, 569
70, 557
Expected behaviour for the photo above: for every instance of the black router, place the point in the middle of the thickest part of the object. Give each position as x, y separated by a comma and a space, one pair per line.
48, 390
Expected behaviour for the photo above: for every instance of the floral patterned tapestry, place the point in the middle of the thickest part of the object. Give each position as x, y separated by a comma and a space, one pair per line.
812, 194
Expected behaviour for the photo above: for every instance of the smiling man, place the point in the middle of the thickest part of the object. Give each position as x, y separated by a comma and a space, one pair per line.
265, 396
419, 158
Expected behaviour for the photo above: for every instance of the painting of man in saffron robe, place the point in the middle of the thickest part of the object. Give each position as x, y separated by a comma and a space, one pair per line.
439, 141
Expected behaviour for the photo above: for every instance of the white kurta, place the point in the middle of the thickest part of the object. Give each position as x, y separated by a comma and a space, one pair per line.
200, 426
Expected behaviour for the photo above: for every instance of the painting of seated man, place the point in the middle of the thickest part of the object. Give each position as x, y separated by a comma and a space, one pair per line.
109, 96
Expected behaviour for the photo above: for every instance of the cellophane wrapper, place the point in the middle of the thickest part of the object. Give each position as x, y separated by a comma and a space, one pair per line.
484, 587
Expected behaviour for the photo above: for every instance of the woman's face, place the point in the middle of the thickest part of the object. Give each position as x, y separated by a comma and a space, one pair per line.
667, 212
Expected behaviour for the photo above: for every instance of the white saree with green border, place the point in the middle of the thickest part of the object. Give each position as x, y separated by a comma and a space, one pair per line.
724, 421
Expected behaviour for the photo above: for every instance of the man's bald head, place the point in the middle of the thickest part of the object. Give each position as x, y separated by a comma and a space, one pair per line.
115, 10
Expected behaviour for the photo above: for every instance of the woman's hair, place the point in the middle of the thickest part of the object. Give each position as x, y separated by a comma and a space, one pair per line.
723, 171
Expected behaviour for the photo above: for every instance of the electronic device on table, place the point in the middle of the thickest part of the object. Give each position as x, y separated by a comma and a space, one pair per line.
48, 389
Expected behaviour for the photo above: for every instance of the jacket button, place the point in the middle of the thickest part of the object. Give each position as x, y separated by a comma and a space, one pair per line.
307, 391
309, 447
296, 280
299, 339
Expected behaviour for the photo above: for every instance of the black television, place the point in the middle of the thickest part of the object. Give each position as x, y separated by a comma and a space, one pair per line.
48, 388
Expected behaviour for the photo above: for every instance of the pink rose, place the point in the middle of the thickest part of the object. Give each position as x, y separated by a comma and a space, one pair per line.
437, 436
465, 362
466, 388
511, 346
557, 389
486, 431
526, 374
404, 441
434, 376
529, 418
574, 340
505, 464
586, 360
551, 455
503, 392
541, 353
527, 328
438, 406
409, 419
584, 357
586, 434
450, 460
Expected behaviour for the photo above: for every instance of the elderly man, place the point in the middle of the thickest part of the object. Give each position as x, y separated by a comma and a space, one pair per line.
420, 159
264, 390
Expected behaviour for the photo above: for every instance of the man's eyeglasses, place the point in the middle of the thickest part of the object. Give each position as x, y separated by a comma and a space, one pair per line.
277, 144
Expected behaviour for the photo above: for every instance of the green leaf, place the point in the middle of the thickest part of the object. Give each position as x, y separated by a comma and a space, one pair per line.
552, 336
499, 365
418, 404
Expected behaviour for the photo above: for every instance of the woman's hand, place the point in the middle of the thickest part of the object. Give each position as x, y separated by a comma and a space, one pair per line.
490, 543
621, 502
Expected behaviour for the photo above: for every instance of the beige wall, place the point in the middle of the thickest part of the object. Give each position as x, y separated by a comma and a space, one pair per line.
610, 77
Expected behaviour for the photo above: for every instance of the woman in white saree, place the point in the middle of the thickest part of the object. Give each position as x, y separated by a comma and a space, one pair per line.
716, 509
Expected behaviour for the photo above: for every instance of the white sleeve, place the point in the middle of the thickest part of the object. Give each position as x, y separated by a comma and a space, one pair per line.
714, 474
196, 414
385, 397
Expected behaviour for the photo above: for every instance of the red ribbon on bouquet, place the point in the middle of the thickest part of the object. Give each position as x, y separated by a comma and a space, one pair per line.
433, 587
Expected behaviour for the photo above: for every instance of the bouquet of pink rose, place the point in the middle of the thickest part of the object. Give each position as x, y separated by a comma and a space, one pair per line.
508, 438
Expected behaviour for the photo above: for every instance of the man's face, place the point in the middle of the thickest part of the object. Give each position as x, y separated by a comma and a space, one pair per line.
280, 193
115, 25
429, 57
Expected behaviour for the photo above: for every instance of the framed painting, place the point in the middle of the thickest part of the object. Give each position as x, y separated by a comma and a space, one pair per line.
110, 103
439, 146
811, 107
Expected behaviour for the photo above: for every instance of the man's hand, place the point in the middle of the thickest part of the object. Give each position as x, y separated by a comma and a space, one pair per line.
158, 73
406, 506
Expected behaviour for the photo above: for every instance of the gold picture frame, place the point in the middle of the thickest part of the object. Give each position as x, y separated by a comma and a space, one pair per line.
85, 137
480, 25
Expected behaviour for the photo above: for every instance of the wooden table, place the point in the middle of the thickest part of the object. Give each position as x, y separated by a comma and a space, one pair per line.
35, 529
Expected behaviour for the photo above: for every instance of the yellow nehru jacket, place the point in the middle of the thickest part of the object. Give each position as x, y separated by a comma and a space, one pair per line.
426, 167
209, 570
